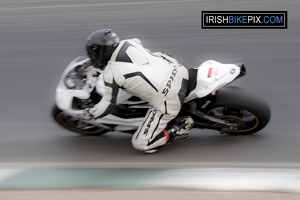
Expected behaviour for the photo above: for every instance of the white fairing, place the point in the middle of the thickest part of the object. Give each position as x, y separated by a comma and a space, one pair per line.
64, 96
211, 76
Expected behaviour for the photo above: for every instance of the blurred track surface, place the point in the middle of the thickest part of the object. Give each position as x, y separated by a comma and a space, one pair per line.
39, 38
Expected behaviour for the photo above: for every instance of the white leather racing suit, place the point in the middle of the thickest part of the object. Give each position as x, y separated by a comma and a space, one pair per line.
153, 77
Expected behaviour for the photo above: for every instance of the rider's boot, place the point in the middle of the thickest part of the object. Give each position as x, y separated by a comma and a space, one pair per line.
181, 129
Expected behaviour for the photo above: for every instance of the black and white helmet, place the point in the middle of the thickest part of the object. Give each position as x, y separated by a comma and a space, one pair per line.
100, 45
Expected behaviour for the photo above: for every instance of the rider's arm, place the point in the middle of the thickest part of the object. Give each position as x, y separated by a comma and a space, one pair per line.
108, 101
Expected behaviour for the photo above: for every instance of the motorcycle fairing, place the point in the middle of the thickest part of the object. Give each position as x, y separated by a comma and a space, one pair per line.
211, 76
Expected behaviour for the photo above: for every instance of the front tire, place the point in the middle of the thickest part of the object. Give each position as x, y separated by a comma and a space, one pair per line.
248, 110
69, 123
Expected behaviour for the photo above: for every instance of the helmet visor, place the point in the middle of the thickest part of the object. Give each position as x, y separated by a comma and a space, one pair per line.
100, 55
96, 54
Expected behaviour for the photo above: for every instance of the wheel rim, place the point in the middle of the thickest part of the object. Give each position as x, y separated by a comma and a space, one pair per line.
245, 119
77, 125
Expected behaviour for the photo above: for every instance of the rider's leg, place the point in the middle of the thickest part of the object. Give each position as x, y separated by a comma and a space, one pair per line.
151, 134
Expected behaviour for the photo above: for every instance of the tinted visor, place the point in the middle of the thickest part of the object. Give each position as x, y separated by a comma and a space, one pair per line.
99, 55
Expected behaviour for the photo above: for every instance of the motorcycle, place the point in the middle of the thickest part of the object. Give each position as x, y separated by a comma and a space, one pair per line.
210, 102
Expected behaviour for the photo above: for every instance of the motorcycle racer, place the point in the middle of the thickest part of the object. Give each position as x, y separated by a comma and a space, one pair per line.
153, 77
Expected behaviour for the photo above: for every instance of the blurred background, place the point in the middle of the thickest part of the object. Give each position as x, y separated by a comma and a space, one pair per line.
38, 39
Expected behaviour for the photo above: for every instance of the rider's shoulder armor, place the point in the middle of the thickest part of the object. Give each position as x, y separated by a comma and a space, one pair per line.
131, 51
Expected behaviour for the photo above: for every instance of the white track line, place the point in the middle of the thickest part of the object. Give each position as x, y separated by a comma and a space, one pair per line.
7, 173
151, 165
217, 179
100, 4
231, 179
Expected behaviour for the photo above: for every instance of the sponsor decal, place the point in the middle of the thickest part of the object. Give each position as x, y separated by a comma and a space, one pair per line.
215, 72
212, 72
232, 71
169, 83
150, 122
209, 72
60, 101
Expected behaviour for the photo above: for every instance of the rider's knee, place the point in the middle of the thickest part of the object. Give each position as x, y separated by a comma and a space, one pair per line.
139, 144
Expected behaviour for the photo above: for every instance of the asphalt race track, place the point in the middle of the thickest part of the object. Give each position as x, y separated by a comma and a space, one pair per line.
38, 40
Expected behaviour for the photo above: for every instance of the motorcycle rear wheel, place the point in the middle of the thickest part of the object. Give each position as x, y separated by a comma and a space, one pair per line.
77, 126
248, 110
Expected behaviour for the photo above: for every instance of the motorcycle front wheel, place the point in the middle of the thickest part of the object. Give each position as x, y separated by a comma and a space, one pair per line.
236, 105
76, 125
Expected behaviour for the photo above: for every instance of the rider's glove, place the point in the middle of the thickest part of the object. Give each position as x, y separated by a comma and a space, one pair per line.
87, 115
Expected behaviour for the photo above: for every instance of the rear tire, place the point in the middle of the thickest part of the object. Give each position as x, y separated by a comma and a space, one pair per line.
250, 111
67, 122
